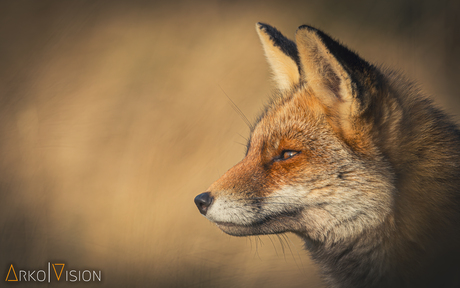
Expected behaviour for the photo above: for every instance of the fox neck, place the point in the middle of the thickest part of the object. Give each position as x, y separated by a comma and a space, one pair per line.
363, 261
384, 256
388, 256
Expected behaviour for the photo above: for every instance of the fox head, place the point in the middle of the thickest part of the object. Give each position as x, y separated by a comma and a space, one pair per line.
312, 166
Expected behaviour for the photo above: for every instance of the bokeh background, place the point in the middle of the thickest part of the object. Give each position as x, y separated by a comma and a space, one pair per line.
114, 115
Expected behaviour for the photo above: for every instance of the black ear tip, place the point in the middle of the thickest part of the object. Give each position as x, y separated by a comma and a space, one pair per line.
263, 26
307, 27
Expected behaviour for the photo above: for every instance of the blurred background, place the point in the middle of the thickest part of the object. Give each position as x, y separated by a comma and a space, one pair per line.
113, 117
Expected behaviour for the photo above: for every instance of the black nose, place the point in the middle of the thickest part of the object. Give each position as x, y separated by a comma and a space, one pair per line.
203, 201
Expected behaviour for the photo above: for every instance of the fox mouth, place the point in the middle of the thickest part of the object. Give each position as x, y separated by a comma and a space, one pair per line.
272, 224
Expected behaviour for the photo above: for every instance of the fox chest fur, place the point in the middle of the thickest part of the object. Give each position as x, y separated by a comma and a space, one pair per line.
355, 162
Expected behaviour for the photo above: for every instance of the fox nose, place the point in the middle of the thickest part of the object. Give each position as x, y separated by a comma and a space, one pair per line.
203, 201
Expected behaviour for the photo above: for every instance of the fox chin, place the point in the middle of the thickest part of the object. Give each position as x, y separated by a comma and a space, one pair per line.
354, 160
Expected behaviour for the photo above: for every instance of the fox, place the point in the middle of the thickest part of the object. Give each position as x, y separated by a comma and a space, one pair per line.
355, 160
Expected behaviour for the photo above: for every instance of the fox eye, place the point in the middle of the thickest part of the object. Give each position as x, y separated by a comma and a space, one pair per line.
286, 154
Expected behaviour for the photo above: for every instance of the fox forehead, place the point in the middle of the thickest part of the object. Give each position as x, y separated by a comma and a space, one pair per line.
295, 118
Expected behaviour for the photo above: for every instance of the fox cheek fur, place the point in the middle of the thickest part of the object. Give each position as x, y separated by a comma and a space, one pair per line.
354, 161
324, 185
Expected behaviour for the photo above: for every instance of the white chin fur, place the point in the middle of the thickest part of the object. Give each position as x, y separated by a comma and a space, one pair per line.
240, 211
223, 209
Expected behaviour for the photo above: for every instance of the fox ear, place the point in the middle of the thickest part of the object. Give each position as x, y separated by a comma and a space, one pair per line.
282, 56
323, 73
334, 73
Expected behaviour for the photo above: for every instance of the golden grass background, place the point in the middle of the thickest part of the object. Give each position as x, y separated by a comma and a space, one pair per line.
113, 118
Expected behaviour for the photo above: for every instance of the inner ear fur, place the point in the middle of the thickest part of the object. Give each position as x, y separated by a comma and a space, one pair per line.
325, 64
282, 55
323, 73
